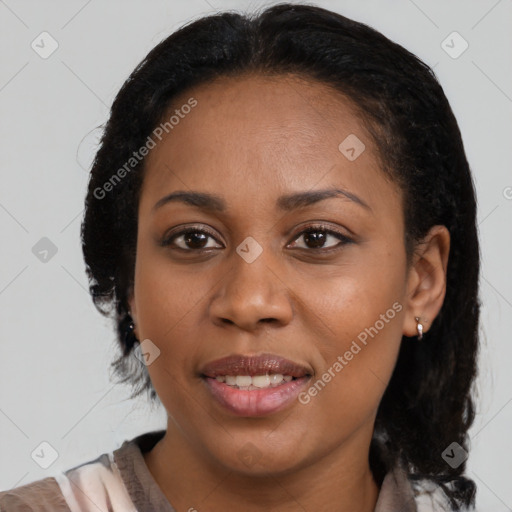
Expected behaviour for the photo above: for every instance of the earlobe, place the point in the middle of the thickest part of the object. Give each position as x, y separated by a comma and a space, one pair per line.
426, 284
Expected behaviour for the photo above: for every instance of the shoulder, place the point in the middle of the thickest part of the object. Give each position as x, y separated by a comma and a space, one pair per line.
95, 485
41, 496
91, 486
117, 481
401, 492
431, 496
406, 491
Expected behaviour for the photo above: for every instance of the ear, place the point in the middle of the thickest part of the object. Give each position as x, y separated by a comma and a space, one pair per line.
426, 281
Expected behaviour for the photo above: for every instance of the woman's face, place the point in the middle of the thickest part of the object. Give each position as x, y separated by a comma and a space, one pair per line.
234, 274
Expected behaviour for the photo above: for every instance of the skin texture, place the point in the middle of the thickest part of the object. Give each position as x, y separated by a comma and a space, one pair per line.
250, 140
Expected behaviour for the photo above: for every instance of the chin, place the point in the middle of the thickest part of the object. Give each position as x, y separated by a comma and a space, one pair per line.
258, 456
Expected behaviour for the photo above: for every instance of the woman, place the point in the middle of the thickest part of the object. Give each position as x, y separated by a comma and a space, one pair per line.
281, 218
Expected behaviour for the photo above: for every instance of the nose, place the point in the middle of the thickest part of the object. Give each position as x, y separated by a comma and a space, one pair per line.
251, 294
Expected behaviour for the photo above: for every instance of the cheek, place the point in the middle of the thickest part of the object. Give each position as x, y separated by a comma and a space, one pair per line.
168, 299
354, 297
360, 318
346, 393
167, 308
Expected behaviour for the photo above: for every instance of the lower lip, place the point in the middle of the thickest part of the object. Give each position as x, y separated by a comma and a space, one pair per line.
255, 402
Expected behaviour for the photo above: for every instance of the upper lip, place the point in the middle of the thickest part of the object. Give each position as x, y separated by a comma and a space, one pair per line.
254, 365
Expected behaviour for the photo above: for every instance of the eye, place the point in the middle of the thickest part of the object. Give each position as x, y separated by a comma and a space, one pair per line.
317, 237
191, 239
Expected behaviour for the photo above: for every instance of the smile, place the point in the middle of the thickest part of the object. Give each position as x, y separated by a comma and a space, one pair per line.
255, 385
248, 382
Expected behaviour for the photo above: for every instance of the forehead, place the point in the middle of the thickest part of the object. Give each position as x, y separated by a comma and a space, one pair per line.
262, 135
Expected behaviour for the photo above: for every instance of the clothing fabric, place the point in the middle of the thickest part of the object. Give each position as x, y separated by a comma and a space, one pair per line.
120, 481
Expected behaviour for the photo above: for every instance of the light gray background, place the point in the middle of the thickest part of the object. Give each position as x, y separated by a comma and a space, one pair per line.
55, 347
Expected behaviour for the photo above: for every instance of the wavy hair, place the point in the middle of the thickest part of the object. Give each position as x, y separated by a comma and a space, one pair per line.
428, 403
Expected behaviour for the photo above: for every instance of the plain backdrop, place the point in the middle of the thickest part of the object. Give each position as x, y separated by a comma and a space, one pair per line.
56, 348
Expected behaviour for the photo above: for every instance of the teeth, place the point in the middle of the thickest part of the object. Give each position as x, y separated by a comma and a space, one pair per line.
231, 380
261, 381
276, 378
254, 382
243, 381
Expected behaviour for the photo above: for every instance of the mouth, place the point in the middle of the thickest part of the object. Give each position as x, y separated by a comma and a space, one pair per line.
255, 385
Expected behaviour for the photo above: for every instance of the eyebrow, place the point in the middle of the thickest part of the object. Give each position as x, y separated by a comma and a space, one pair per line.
287, 202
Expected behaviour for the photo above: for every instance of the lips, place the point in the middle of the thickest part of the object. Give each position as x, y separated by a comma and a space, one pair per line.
254, 365
255, 385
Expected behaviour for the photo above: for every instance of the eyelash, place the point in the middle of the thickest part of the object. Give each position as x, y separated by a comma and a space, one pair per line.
344, 240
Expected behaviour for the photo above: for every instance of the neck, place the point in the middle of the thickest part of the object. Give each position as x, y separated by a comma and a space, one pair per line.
190, 482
